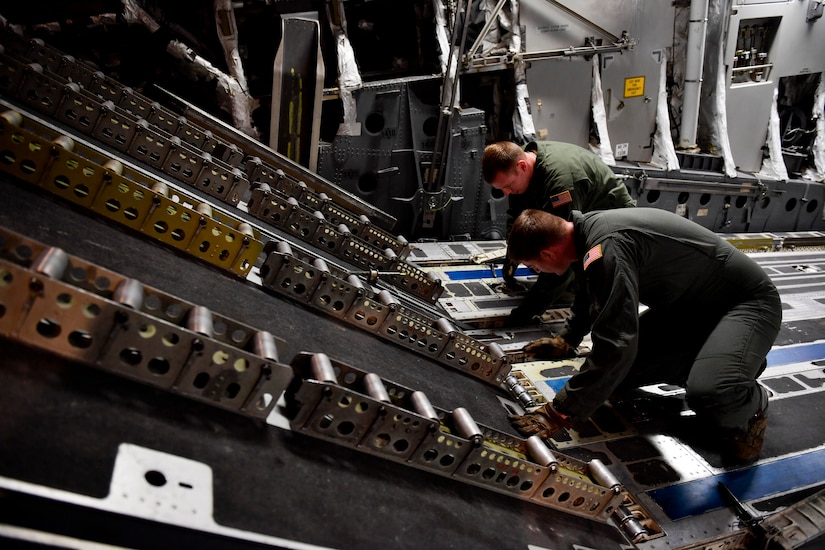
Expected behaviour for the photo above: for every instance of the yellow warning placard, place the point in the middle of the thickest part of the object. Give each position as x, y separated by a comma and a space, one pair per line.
634, 86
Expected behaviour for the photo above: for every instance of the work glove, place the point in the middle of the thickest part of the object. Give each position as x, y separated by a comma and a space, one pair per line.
549, 348
543, 422
508, 273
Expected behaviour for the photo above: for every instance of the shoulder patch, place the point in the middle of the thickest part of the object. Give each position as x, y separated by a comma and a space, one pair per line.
592, 255
561, 199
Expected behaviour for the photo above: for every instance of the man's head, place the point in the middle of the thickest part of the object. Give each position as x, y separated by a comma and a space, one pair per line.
542, 241
506, 167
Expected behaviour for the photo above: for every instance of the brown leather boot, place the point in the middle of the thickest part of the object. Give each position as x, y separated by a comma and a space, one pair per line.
747, 443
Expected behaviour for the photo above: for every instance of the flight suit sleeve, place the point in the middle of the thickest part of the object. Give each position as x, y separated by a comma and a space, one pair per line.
579, 323
612, 286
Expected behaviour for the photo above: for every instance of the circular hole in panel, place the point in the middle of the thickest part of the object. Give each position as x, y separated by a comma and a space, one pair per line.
155, 478
430, 126
91, 311
201, 380
130, 356
447, 460
64, 300
367, 183
147, 331
171, 339
81, 191
345, 428
80, 339
374, 123
232, 390
158, 365
48, 328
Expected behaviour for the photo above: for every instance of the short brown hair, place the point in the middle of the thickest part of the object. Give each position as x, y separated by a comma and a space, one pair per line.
499, 157
532, 232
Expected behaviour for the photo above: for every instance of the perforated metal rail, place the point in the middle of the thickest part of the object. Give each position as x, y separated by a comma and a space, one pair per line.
79, 96
81, 311
52, 161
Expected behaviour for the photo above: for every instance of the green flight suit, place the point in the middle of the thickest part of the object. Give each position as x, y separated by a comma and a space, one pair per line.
566, 177
712, 319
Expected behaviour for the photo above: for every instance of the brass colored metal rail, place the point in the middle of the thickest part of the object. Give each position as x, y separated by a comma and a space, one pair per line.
87, 101
54, 162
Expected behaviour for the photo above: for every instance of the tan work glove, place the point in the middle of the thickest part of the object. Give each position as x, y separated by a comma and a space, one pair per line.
543, 422
549, 348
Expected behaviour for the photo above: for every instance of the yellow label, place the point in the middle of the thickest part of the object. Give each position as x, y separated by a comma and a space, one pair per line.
634, 86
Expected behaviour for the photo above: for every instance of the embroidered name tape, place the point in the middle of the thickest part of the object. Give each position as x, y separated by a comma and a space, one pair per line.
592, 255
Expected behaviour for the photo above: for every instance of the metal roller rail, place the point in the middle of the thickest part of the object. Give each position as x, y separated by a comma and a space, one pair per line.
106, 187
146, 131
156, 140
78, 310
133, 200
83, 312
259, 153
312, 282
336, 402
307, 225
102, 92
284, 212
105, 122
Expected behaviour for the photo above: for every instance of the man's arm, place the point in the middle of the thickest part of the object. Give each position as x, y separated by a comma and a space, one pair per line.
614, 296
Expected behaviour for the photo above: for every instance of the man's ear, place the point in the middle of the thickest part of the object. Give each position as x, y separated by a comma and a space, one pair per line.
548, 254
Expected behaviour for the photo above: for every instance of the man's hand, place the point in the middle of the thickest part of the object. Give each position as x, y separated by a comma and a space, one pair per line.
543, 422
508, 273
549, 348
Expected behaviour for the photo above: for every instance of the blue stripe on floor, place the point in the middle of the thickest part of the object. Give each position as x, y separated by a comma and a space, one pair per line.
796, 354
556, 384
484, 274
695, 498
776, 358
